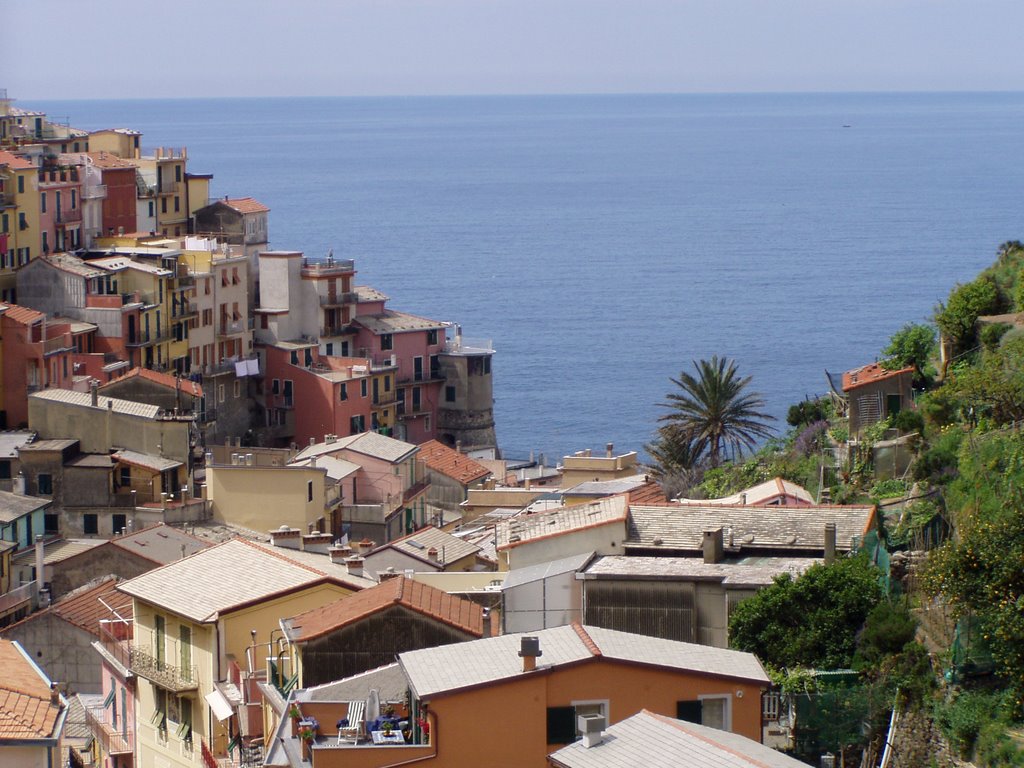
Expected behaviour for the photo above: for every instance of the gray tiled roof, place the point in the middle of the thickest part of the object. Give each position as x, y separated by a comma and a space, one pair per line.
657, 741
693, 569
559, 520
433, 671
391, 321
216, 579
606, 487
389, 682
367, 443
156, 463
678, 527
84, 399
15, 505
160, 543
11, 441
449, 548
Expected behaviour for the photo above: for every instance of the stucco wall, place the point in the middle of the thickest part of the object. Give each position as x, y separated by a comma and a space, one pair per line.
63, 650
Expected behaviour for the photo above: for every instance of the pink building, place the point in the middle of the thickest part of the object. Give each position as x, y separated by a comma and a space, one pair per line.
37, 354
60, 208
308, 396
113, 724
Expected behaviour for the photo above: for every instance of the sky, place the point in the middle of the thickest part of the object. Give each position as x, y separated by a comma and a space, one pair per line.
216, 48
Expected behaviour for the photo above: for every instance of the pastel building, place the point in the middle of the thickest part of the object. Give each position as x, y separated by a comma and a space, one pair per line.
60, 205
37, 355
19, 218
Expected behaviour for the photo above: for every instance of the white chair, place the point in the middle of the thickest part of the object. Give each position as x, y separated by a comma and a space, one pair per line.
354, 729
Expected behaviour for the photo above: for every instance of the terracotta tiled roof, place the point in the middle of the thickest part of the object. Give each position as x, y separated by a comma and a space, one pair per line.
246, 205
440, 458
416, 596
26, 710
107, 160
649, 493
22, 315
869, 374
166, 379
14, 161
83, 608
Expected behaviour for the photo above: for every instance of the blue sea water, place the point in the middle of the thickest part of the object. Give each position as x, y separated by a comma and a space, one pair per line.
605, 242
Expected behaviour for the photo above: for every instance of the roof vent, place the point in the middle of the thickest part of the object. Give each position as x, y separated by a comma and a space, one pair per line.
529, 650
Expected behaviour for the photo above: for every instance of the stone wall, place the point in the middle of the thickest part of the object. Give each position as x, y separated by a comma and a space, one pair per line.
918, 743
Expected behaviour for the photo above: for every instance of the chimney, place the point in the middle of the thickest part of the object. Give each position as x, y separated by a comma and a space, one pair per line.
319, 543
387, 573
289, 538
94, 392
54, 695
713, 546
354, 565
458, 446
339, 554
486, 616
610, 450
40, 573
312, 461
432, 555
529, 650
743, 499
830, 542
18, 486
592, 727
312, 441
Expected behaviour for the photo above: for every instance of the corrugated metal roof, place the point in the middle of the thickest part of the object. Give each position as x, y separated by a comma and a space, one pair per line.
682, 527
439, 670
657, 741
532, 573
84, 400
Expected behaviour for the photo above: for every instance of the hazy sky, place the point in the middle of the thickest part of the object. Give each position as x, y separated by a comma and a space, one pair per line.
123, 49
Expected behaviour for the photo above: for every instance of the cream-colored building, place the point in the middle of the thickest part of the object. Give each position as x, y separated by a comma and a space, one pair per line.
202, 629
583, 466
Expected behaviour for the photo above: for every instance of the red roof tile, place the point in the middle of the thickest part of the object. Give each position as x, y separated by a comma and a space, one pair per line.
22, 315
869, 374
26, 709
15, 161
107, 160
168, 380
648, 494
440, 458
83, 608
431, 602
246, 205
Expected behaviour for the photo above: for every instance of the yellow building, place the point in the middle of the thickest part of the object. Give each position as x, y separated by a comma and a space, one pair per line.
584, 467
199, 625
19, 218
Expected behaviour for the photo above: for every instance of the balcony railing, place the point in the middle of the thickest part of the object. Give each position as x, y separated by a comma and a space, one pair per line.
114, 742
232, 327
169, 187
414, 490
118, 647
339, 299
68, 215
14, 598
173, 678
57, 344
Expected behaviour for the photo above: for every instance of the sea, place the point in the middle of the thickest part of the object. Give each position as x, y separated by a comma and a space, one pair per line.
605, 243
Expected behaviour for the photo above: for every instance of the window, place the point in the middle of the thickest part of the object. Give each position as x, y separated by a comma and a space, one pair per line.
51, 523
74, 199
329, 349
118, 522
415, 398
287, 392
238, 389
449, 394
362, 387
432, 337
435, 367
177, 173
126, 476
152, 210
712, 711
221, 393
275, 387
561, 725
5, 469
177, 204
185, 651
22, 221
386, 341
42, 203
295, 357
206, 288
417, 369
21, 185
343, 392
159, 718
163, 205
309, 490
45, 482
387, 383
357, 424
90, 524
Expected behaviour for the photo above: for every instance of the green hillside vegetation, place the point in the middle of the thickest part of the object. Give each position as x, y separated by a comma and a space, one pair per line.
966, 479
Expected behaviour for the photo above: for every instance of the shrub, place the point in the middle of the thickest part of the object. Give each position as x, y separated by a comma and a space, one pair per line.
810, 439
957, 317
887, 489
991, 335
808, 412
908, 421
962, 718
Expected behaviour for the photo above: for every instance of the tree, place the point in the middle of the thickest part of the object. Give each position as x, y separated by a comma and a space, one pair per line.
811, 621
957, 317
913, 345
714, 412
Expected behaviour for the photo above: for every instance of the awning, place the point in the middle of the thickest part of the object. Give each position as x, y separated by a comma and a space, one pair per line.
221, 708
110, 698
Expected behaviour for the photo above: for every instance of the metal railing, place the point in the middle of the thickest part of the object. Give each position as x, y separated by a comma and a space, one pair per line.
118, 648
56, 344
26, 593
114, 742
68, 215
168, 676
349, 297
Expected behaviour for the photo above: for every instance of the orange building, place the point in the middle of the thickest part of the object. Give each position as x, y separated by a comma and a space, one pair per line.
513, 700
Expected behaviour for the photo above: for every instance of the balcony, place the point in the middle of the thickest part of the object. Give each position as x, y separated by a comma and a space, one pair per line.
55, 345
169, 187
68, 216
113, 741
327, 267
234, 327
147, 339
339, 300
18, 597
177, 679
414, 490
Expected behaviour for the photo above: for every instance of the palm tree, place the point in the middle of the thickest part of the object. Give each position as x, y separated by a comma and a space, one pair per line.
714, 412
